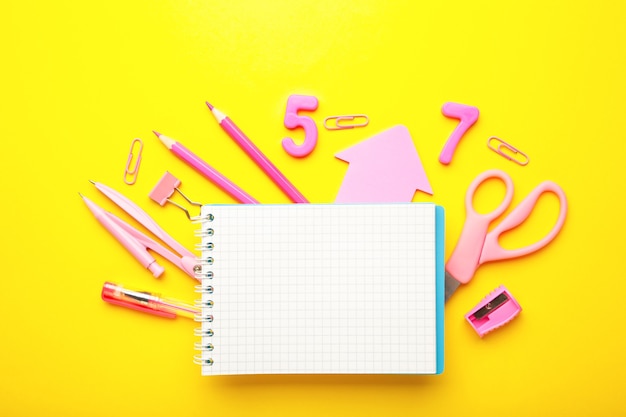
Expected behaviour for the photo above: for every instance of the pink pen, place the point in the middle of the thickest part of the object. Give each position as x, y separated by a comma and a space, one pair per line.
205, 169
147, 302
257, 156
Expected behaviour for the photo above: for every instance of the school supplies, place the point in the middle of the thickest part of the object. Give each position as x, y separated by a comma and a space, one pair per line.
339, 122
516, 156
165, 188
322, 289
257, 156
205, 169
467, 116
147, 302
383, 168
477, 246
135, 241
495, 310
131, 172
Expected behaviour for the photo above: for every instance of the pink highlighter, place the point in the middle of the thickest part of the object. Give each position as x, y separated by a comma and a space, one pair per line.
495, 310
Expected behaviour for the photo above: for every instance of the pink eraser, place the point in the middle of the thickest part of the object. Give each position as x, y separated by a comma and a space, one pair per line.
164, 188
495, 310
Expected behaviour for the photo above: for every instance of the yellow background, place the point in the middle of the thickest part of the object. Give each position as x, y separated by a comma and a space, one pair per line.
80, 80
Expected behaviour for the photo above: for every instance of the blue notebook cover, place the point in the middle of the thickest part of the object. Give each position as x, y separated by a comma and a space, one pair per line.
440, 254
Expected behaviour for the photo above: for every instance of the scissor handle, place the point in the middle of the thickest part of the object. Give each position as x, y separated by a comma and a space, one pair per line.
493, 251
466, 255
469, 196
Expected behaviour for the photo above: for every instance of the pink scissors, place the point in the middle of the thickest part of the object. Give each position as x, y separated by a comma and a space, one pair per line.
476, 246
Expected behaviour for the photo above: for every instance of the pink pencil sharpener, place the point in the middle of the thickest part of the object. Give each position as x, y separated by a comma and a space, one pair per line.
495, 310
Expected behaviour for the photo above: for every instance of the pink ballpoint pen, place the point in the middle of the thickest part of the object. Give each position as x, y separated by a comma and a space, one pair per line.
205, 169
147, 302
255, 153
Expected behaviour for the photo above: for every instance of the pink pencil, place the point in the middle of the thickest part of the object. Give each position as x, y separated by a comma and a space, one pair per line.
205, 169
257, 156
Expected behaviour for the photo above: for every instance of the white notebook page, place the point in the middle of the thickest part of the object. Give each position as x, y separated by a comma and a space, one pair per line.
321, 289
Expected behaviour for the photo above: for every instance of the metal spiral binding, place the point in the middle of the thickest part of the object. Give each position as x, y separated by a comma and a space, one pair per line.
205, 275
206, 347
206, 246
202, 219
204, 289
199, 360
204, 303
205, 233
202, 318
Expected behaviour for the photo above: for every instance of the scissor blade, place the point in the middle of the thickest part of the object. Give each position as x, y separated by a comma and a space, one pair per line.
451, 285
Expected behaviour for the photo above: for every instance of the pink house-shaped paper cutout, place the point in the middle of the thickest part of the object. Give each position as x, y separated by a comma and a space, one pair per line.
383, 168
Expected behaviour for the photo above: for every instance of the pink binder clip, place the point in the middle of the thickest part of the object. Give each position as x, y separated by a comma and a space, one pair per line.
495, 310
164, 189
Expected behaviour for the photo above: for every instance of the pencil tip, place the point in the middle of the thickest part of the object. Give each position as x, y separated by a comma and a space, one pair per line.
81, 196
167, 141
210, 106
93, 182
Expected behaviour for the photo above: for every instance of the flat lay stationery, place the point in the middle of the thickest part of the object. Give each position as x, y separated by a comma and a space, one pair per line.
256, 237
353, 287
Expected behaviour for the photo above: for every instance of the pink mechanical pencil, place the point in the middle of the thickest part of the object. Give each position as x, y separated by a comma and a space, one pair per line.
255, 153
205, 169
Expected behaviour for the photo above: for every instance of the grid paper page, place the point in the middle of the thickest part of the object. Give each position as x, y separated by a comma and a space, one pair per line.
321, 289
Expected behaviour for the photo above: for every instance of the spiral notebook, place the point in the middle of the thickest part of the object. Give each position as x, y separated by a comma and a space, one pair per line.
321, 289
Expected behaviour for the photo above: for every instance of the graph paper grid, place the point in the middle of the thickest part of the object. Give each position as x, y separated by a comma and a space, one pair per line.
321, 289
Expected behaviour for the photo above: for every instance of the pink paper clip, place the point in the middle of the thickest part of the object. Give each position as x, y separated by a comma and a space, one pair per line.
516, 155
495, 310
165, 188
338, 122
130, 174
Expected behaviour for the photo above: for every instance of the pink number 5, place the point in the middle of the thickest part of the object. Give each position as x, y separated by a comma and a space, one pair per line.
468, 116
297, 102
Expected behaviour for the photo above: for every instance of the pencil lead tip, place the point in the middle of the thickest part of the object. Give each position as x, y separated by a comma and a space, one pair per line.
81, 196
210, 106
167, 141
93, 182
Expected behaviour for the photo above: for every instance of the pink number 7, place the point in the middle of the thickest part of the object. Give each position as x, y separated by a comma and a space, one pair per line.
468, 116
293, 120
